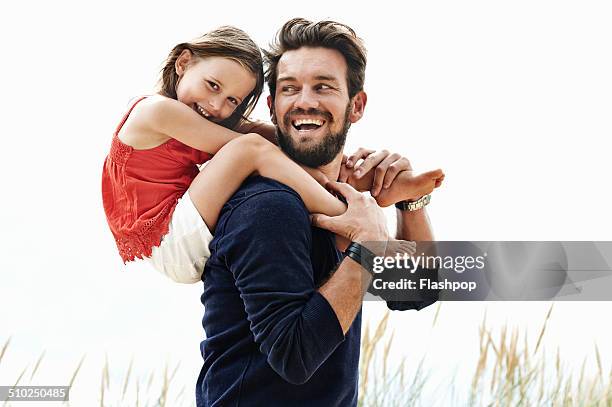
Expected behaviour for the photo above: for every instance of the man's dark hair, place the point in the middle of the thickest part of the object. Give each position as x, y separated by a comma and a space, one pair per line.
299, 32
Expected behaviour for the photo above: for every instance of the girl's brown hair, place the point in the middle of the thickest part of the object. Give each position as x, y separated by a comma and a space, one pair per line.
226, 42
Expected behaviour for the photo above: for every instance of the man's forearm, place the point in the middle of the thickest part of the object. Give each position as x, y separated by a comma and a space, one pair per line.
414, 226
345, 290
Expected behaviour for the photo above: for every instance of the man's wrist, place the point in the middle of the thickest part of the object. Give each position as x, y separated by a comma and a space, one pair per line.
361, 255
413, 205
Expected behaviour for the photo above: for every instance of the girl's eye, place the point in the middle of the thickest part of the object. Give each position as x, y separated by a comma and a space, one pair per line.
233, 101
213, 85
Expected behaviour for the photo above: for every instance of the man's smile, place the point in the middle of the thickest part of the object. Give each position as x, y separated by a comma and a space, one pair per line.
307, 125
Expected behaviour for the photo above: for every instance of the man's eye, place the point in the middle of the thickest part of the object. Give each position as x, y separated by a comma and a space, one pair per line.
213, 85
289, 89
324, 87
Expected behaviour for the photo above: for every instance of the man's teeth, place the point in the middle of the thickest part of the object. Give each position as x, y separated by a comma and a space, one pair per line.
299, 122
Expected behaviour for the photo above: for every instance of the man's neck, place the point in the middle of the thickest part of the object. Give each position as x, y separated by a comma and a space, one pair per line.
332, 170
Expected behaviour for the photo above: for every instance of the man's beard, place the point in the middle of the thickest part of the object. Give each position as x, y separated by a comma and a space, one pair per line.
320, 154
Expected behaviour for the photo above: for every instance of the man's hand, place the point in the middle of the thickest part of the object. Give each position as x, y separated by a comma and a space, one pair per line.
386, 166
392, 179
362, 221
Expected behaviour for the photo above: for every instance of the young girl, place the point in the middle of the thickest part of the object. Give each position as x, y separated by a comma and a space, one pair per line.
159, 205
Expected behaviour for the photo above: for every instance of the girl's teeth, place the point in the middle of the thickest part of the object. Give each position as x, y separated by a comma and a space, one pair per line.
202, 111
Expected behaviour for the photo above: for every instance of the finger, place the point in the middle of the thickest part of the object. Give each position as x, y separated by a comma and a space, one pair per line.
379, 177
358, 155
345, 173
370, 162
348, 192
324, 222
403, 164
380, 173
391, 175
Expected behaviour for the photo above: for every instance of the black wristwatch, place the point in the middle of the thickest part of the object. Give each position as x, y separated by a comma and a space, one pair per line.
361, 255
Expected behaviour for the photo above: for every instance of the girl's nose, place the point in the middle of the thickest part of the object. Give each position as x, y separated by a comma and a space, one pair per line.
215, 105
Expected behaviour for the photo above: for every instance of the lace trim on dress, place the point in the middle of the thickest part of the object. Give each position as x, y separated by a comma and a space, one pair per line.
119, 152
150, 235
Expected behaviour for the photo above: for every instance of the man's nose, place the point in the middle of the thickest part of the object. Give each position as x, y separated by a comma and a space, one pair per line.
307, 99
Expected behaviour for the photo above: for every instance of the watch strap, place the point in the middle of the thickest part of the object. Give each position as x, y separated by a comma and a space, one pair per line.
410, 206
361, 255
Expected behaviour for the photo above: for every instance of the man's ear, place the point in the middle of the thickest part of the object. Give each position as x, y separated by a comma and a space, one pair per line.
358, 106
181, 63
271, 107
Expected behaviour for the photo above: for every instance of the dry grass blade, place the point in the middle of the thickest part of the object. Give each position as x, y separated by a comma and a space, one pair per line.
127, 379
581, 378
102, 386
164, 390
386, 352
42, 355
106, 375
174, 372
511, 357
598, 359
543, 328
17, 382
490, 342
526, 350
76, 371
150, 382
367, 351
382, 325
436, 315
21, 376
6, 344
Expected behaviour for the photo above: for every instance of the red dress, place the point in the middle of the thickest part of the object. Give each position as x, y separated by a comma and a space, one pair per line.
140, 189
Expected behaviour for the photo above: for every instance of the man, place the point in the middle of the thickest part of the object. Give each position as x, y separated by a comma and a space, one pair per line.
283, 328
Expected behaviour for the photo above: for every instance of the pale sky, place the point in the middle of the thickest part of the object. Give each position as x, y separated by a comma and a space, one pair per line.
511, 99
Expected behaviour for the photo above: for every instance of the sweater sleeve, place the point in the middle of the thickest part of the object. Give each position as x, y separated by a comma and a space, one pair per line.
266, 244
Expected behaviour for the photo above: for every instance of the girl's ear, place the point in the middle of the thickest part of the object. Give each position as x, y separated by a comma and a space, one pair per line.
182, 62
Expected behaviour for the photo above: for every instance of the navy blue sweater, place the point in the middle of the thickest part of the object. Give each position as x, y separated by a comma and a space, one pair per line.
272, 339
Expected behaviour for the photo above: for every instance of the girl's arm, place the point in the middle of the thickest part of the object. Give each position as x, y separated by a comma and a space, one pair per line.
264, 129
173, 119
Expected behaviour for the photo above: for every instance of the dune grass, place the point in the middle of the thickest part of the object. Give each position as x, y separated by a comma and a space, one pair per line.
509, 371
